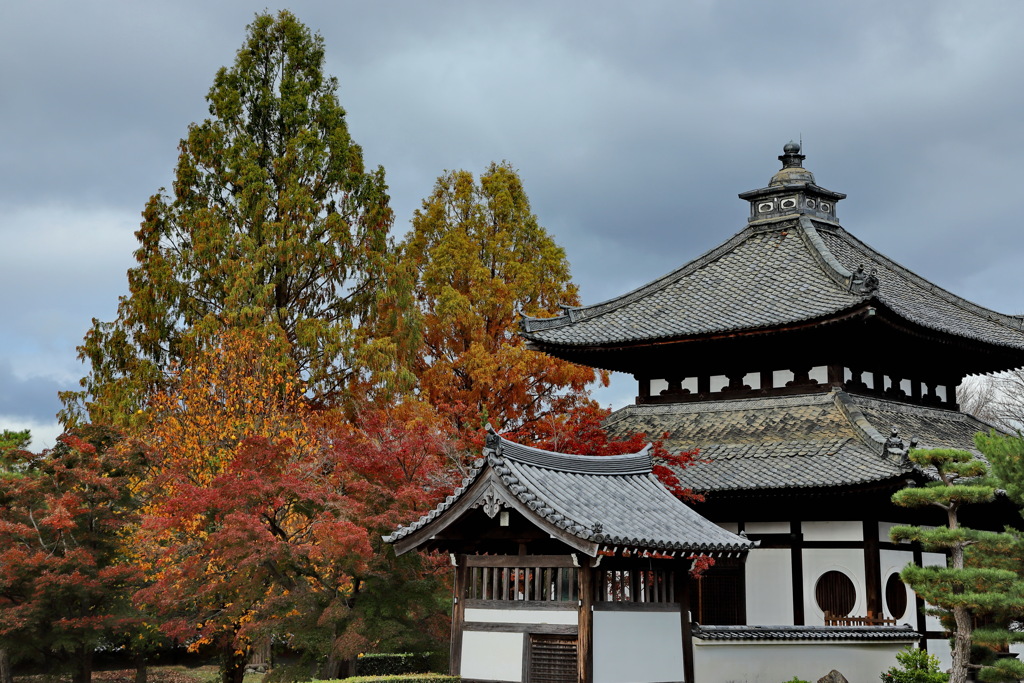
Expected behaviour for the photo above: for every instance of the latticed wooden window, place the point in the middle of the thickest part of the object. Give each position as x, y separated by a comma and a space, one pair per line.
635, 585
552, 659
719, 596
549, 584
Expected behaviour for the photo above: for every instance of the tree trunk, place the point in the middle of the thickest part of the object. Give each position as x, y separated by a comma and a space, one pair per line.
331, 669
141, 671
6, 673
83, 665
232, 664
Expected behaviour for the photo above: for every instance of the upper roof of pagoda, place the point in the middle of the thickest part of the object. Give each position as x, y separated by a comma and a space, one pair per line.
793, 263
592, 503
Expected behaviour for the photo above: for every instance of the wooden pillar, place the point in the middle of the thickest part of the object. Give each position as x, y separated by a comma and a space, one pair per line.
922, 623
682, 588
585, 625
458, 615
796, 555
872, 568
836, 375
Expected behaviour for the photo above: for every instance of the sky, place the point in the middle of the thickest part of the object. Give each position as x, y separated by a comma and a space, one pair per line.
633, 126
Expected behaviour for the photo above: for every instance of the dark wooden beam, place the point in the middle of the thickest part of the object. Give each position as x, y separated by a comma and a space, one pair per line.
682, 588
872, 567
458, 616
796, 555
585, 637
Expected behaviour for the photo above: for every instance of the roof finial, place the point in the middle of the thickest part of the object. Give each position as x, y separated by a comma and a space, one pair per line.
791, 156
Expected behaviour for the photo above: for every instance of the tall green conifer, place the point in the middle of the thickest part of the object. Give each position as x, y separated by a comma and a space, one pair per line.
272, 222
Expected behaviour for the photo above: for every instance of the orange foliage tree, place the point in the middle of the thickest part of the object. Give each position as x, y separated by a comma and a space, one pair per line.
480, 258
264, 518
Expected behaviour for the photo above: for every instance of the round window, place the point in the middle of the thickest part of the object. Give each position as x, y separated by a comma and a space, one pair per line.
896, 596
835, 593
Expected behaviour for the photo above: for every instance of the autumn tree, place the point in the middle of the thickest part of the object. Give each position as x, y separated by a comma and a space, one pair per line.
264, 518
962, 592
481, 259
272, 223
64, 584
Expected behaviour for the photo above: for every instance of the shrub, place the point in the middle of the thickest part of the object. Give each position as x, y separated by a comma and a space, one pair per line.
915, 666
392, 664
409, 678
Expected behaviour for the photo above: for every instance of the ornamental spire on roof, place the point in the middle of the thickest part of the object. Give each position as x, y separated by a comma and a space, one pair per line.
792, 190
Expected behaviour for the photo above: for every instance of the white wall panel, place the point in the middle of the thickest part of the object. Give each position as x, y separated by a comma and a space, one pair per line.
817, 561
769, 586
721, 662
492, 656
892, 562
523, 616
932, 623
766, 527
833, 531
634, 647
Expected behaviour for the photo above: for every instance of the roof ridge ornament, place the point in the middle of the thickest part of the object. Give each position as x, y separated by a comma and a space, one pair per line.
864, 283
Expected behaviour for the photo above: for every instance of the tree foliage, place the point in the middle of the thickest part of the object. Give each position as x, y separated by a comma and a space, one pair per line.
64, 585
264, 517
960, 592
272, 224
481, 257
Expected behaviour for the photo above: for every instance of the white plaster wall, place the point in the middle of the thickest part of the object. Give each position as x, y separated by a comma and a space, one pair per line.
769, 586
892, 562
766, 527
883, 531
817, 561
725, 662
492, 656
941, 649
932, 623
637, 647
832, 531
523, 616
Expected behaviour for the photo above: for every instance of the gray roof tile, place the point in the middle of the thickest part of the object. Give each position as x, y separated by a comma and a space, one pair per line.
811, 440
577, 493
784, 272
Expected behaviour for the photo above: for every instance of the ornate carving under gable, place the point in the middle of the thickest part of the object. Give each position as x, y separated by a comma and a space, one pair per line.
492, 501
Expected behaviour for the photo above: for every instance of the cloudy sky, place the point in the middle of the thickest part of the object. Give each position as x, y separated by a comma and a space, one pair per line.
634, 125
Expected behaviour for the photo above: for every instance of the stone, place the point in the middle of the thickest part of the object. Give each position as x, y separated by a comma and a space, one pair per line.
833, 676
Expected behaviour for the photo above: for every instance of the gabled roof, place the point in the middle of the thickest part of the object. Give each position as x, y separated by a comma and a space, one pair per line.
773, 273
823, 440
593, 503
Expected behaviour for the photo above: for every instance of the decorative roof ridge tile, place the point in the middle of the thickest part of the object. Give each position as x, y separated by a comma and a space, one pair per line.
609, 465
723, 405
1014, 322
909, 408
785, 632
859, 422
529, 324
825, 259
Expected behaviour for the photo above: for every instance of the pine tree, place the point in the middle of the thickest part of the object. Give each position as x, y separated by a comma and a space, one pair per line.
960, 592
272, 223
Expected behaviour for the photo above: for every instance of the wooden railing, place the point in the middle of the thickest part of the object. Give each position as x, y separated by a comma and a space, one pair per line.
869, 620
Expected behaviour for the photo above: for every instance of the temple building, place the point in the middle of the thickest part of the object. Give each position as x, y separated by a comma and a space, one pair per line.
803, 365
569, 568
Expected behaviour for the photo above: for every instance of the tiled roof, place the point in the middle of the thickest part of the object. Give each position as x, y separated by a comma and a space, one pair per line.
603, 501
786, 271
805, 633
811, 440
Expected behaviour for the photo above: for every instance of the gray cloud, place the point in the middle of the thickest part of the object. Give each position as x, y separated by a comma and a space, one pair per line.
634, 127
